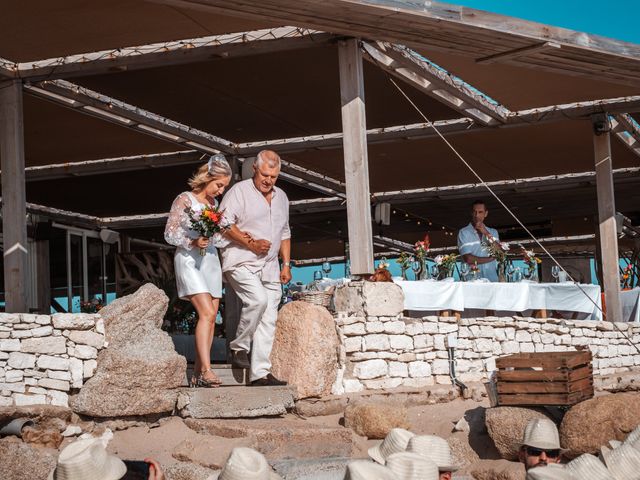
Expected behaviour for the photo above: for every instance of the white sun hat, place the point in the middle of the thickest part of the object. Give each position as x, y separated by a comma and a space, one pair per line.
541, 433
623, 462
247, 464
553, 471
85, 459
412, 466
634, 438
589, 466
435, 449
395, 441
367, 470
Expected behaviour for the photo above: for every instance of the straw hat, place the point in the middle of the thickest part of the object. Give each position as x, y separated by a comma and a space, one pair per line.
87, 459
552, 471
634, 437
412, 466
588, 466
623, 462
395, 441
435, 449
541, 433
247, 464
366, 470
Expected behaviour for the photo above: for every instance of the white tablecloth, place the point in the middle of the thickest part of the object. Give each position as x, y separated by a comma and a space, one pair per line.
630, 300
431, 295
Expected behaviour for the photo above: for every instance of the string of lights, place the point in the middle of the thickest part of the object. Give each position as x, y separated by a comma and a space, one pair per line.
420, 220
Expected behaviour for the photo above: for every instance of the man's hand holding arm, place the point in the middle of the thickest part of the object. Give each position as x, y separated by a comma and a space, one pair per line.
259, 247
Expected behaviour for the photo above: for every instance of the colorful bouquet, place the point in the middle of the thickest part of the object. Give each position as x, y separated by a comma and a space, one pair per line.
206, 221
445, 264
421, 248
404, 260
530, 259
496, 249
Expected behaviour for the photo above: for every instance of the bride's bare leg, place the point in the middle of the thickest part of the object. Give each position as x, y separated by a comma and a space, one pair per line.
206, 310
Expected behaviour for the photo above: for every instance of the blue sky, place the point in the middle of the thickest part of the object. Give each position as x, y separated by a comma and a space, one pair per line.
617, 19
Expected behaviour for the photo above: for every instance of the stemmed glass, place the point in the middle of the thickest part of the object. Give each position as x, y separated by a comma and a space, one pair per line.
517, 275
416, 266
464, 271
435, 272
326, 268
555, 272
317, 275
510, 271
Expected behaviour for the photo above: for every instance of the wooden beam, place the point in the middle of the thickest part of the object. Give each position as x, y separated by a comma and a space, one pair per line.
517, 53
627, 131
173, 53
121, 113
8, 68
397, 245
436, 82
608, 232
14, 209
356, 165
576, 110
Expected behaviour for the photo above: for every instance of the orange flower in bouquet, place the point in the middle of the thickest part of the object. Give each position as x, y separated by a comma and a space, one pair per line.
206, 221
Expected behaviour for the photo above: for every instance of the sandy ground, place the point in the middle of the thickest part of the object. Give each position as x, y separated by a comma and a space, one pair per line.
173, 435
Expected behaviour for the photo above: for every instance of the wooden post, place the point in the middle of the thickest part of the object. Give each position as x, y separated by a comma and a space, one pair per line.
606, 216
14, 208
354, 128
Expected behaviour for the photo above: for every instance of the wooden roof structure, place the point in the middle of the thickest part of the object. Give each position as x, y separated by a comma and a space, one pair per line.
122, 98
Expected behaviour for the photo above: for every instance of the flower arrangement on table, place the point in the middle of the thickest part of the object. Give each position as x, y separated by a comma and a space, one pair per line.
500, 252
531, 260
206, 221
626, 277
404, 260
445, 265
91, 306
420, 249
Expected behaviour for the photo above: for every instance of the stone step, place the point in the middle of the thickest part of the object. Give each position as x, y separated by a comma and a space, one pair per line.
235, 402
332, 468
283, 438
230, 376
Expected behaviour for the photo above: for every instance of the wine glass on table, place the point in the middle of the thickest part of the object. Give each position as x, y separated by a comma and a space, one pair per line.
464, 271
435, 272
510, 271
326, 268
555, 272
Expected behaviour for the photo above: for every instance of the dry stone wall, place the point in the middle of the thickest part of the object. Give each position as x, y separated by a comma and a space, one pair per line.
44, 358
389, 350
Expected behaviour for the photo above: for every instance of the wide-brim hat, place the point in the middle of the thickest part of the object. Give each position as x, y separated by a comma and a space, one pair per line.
553, 471
623, 462
634, 437
435, 449
395, 441
84, 459
588, 466
541, 433
412, 466
246, 464
367, 470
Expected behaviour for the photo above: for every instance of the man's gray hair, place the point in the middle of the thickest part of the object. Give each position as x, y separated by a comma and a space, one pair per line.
271, 158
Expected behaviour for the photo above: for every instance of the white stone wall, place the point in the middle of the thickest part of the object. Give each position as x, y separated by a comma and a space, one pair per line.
388, 351
43, 358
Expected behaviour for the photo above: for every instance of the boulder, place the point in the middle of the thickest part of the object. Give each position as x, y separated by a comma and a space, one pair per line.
20, 460
614, 416
139, 372
498, 470
374, 299
305, 349
375, 420
506, 426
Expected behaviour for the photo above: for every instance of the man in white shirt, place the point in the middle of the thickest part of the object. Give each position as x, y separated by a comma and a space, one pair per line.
258, 212
471, 239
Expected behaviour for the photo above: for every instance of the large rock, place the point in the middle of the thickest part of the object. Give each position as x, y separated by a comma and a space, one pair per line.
305, 349
19, 460
506, 426
139, 373
374, 299
498, 470
592, 423
375, 420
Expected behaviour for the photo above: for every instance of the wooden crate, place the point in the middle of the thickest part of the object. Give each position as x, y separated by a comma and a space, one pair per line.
550, 378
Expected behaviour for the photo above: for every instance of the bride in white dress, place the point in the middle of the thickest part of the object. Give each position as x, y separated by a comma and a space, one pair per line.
199, 277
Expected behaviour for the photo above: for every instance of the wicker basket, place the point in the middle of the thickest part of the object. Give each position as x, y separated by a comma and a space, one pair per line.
317, 298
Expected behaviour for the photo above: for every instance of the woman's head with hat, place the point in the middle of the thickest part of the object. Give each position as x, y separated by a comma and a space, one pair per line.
367, 470
247, 464
588, 466
623, 462
87, 460
395, 441
435, 449
412, 466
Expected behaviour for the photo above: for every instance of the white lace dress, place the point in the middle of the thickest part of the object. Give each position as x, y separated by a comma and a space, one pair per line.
195, 273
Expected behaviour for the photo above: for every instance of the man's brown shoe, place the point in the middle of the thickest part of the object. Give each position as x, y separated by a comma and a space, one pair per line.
240, 359
268, 381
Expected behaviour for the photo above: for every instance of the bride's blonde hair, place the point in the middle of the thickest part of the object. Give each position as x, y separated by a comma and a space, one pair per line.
216, 167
